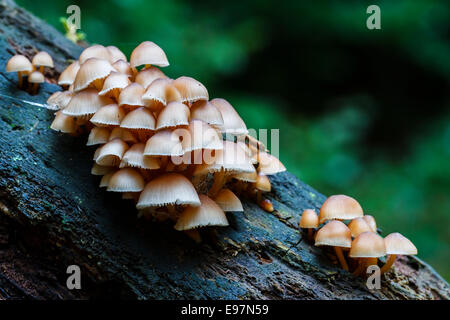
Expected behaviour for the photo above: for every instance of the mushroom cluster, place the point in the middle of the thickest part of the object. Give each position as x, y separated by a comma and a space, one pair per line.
357, 244
34, 70
161, 142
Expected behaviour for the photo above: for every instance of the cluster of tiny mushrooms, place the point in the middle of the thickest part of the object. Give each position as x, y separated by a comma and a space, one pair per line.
159, 139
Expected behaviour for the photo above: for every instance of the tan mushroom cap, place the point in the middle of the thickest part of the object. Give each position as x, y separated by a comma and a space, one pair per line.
92, 69
263, 183
232, 122
199, 135
115, 80
42, 58
334, 233
98, 136
190, 89
132, 95
109, 115
159, 93
104, 182
358, 226
36, 77
340, 207
86, 102
96, 51
126, 180
246, 177
123, 67
63, 123
123, 134
309, 219
255, 143
148, 53
205, 215
19, 63
59, 100
269, 164
115, 54
134, 157
396, 243
164, 143
98, 170
371, 222
111, 153
140, 118
207, 112
147, 76
173, 115
169, 188
67, 77
228, 201
367, 245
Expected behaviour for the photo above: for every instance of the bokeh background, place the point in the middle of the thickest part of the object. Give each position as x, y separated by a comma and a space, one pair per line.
360, 112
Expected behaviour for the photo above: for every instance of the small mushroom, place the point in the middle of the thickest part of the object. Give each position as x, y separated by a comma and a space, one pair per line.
92, 74
130, 97
42, 59
108, 116
148, 53
269, 164
98, 136
98, 170
59, 100
337, 235
358, 226
95, 51
104, 182
340, 207
206, 112
310, 221
134, 157
67, 77
397, 244
126, 180
228, 201
123, 134
34, 79
111, 153
159, 93
266, 205
123, 67
173, 115
64, 123
262, 184
147, 76
114, 84
232, 122
115, 54
367, 247
85, 103
140, 121
21, 65
190, 89
371, 222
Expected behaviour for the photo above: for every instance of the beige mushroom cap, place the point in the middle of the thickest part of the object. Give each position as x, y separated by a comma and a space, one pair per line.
396, 243
340, 207
126, 180
59, 100
169, 188
67, 77
159, 93
123, 134
132, 95
164, 143
140, 118
98, 170
263, 183
205, 215
269, 164
115, 54
109, 115
228, 201
334, 233
123, 67
36, 77
371, 222
86, 102
232, 122
309, 219
42, 58
134, 157
63, 123
207, 112
111, 153
147, 76
199, 135
19, 63
115, 80
104, 182
367, 245
190, 89
98, 136
148, 53
358, 226
95, 51
92, 69
246, 177
173, 115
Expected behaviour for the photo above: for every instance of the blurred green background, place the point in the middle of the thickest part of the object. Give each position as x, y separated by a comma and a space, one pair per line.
360, 112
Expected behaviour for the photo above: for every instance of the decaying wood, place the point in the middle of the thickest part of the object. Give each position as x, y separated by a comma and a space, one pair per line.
53, 214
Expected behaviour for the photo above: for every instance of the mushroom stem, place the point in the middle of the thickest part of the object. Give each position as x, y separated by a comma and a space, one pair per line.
389, 262
360, 268
194, 235
19, 78
219, 180
341, 258
41, 69
310, 233
164, 161
34, 88
258, 196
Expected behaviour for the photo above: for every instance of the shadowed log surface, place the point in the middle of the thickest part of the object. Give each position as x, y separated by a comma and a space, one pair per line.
53, 214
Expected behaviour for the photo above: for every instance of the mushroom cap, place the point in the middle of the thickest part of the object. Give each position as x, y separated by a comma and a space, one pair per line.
231, 158
148, 53
269, 164
132, 95
169, 188
115, 80
367, 245
246, 177
98, 170
63, 123
126, 180
98, 136
190, 89
123, 134
109, 115
207, 112
396, 243
140, 118
207, 214
147, 76
200, 135
111, 153
115, 54
173, 115
95, 51
134, 157
255, 143
36, 77
67, 77
42, 58
159, 93
19, 63
340, 207
263, 183
59, 100
358, 226
123, 67
86, 102
232, 122
164, 143
335, 233
309, 219
104, 182
228, 201
371, 222
91, 70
